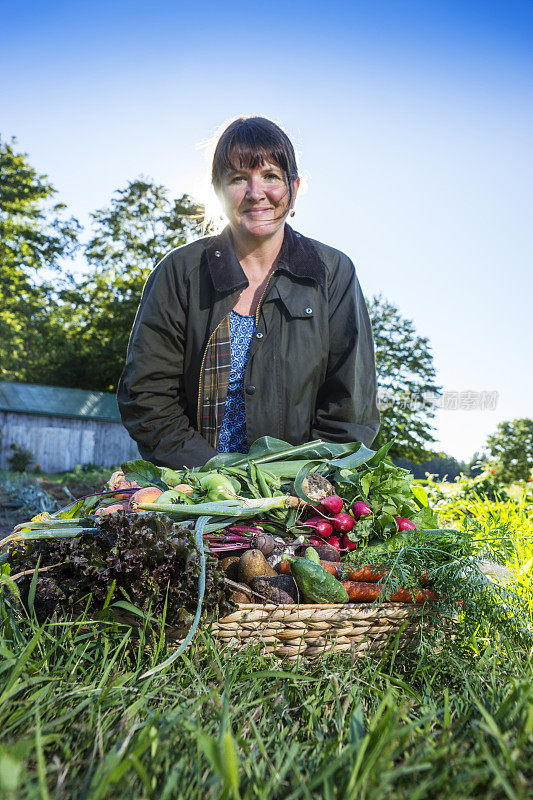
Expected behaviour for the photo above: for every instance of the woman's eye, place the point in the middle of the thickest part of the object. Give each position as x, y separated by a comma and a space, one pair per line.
237, 179
273, 176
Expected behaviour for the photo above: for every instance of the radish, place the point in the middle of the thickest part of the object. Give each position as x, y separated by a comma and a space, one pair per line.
334, 541
405, 524
321, 526
343, 522
348, 544
360, 509
332, 504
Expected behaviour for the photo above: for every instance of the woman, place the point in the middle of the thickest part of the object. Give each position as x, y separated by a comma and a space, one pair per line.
258, 331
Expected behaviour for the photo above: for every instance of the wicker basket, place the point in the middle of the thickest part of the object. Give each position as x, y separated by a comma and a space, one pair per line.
293, 631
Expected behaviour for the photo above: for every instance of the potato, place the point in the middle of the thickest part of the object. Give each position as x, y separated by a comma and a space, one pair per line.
253, 564
230, 566
281, 589
242, 597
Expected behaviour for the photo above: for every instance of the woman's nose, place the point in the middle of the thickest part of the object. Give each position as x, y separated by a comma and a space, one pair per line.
255, 190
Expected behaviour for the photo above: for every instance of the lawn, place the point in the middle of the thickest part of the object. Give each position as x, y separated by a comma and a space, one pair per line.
77, 721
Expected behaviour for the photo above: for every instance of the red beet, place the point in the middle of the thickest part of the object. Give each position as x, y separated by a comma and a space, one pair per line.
334, 541
360, 509
348, 544
343, 522
405, 524
332, 504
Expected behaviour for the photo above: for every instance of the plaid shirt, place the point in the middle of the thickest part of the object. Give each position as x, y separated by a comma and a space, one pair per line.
214, 380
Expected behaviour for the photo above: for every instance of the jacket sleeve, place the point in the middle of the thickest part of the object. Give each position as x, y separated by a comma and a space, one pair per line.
346, 409
150, 394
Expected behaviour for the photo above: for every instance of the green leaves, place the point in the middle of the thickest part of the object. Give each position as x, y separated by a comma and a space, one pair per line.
144, 473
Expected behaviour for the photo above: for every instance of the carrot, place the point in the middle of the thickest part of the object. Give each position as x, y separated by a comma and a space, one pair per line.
342, 572
365, 592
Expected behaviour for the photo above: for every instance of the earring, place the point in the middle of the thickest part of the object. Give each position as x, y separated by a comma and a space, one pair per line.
292, 213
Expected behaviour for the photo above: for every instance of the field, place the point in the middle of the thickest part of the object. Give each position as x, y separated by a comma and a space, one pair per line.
77, 721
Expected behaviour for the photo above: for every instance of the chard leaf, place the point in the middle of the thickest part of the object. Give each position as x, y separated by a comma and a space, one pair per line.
144, 473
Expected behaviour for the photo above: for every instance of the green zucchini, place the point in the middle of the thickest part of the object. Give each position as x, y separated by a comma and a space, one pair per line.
316, 584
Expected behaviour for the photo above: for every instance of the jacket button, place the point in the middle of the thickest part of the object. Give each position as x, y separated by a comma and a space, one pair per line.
259, 335
308, 310
250, 389
218, 253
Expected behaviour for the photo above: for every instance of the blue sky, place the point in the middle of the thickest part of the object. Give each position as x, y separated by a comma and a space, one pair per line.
412, 121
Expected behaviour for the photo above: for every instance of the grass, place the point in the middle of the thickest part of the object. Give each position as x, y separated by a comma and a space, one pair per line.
76, 721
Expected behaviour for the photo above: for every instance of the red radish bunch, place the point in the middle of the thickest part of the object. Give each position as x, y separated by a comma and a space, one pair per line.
347, 543
332, 504
360, 509
321, 526
334, 541
405, 524
343, 523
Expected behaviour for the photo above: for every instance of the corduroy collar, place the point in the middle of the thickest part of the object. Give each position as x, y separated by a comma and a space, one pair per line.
298, 256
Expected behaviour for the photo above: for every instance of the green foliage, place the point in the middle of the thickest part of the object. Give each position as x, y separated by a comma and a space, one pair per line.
406, 382
129, 237
35, 235
20, 459
439, 465
145, 559
75, 718
511, 446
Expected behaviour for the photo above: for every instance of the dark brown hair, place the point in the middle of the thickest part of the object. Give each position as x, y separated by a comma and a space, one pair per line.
250, 141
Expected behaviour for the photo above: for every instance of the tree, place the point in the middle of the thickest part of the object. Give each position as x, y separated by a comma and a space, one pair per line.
34, 236
129, 237
406, 383
511, 446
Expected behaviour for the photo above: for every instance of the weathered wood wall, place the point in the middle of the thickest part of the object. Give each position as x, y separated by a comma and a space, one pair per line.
59, 444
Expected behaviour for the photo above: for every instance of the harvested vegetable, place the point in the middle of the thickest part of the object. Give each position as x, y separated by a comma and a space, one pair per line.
360, 509
148, 559
404, 524
320, 525
343, 523
279, 589
312, 555
332, 504
253, 564
316, 584
360, 592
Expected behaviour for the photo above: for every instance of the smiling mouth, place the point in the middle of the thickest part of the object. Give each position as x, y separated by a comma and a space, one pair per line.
257, 210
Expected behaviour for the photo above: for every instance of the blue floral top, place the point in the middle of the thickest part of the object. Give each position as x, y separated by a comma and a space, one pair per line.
232, 437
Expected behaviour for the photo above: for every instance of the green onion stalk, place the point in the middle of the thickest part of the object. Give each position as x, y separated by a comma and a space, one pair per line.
238, 507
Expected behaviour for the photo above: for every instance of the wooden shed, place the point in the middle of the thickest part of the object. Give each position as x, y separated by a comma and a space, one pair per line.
62, 427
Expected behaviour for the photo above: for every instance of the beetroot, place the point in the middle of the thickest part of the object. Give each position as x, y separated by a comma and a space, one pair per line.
348, 544
332, 504
343, 522
360, 509
405, 524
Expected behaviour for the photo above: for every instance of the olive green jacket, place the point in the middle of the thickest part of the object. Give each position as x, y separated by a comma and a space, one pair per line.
310, 371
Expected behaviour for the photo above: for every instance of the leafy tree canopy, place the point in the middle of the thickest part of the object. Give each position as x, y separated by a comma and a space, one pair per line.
34, 235
406, 383
140, 225
511, 447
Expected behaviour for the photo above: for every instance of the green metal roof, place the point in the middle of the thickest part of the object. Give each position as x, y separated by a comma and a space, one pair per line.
57, 401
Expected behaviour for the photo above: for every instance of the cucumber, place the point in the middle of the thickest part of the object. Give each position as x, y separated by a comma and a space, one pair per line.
316, 584
312, 555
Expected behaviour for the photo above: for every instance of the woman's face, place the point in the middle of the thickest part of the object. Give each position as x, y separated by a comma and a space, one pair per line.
256, 200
